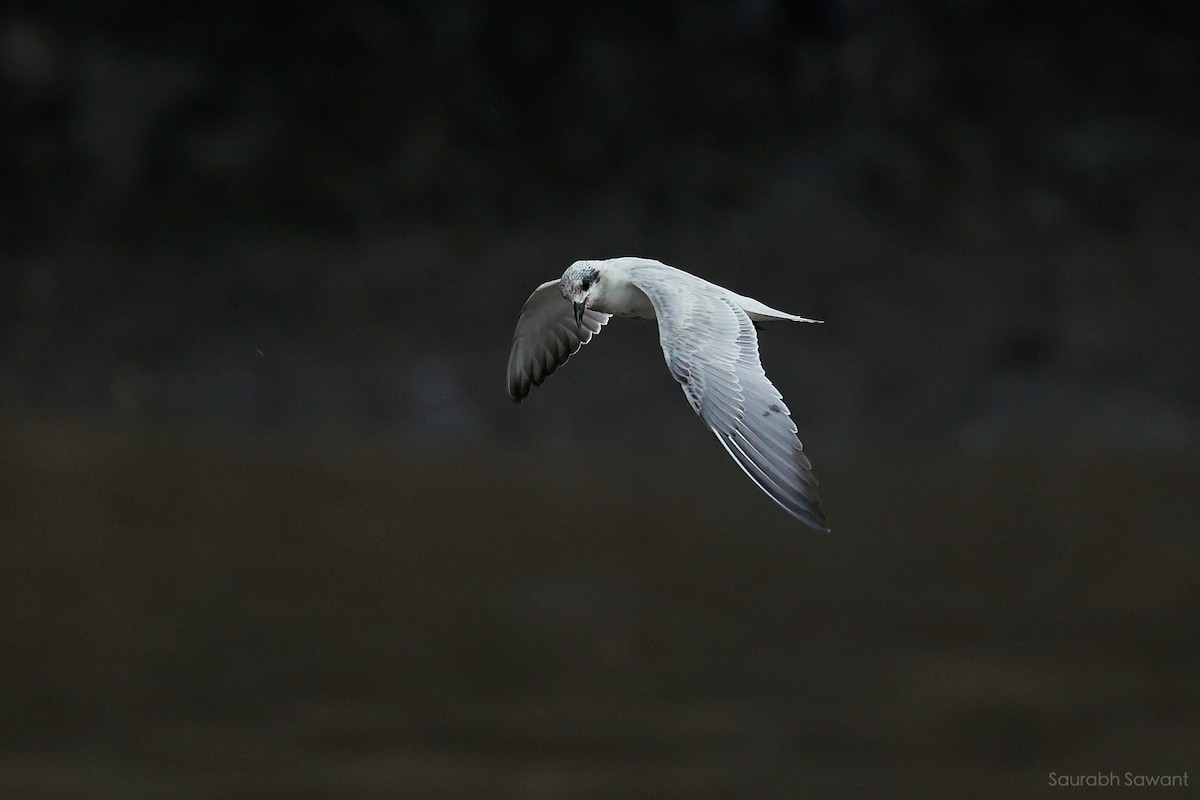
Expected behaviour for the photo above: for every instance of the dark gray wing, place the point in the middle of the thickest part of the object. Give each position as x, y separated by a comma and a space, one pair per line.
711, 348
546, 336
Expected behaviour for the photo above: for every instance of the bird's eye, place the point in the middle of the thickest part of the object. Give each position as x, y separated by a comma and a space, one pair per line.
586, 284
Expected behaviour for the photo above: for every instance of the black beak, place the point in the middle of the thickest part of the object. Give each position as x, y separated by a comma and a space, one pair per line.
579, 309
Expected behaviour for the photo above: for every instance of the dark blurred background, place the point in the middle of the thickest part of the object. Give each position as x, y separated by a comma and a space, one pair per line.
271, 527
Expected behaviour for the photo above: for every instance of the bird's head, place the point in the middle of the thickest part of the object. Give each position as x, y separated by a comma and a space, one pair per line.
579, 284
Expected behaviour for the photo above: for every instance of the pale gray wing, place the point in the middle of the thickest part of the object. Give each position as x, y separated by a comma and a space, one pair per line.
711, 348
546, 337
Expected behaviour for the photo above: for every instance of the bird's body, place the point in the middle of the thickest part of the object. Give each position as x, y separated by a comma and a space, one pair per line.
708, 337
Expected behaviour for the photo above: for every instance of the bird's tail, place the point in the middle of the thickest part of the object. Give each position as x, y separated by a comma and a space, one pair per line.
760, 312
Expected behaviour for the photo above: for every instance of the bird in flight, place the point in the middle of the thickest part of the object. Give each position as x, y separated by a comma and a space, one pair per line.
709, 339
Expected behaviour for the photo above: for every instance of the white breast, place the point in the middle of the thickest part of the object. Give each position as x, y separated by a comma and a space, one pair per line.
624, 299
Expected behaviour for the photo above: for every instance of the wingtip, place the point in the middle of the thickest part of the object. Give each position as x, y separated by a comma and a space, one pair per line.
816, 517
816, 522
514, 391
